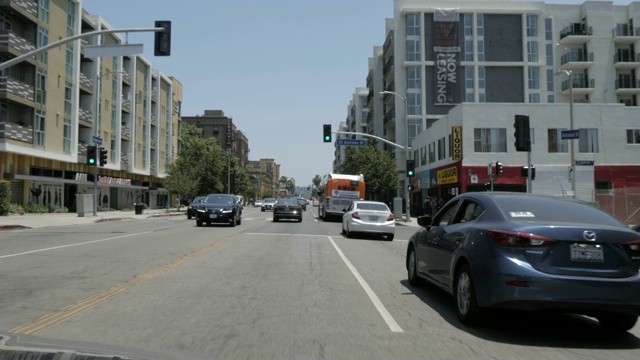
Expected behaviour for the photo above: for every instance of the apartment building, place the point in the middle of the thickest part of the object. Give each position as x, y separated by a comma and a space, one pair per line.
438, 55
214, 123
266, 173
53, 105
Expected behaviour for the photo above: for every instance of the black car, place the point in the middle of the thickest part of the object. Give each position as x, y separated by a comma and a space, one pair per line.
287, 209
219, 208
191, 212
303, 203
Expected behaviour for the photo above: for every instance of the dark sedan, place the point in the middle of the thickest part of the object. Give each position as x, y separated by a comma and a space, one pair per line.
287, 209
219, 208
529, 252
191, 211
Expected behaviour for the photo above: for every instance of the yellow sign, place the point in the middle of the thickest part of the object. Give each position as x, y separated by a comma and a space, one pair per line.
448, 176
456, 137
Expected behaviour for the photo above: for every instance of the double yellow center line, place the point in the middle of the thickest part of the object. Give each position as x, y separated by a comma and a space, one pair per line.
103, 296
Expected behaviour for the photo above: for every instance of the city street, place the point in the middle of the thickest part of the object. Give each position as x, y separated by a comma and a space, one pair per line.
283, 290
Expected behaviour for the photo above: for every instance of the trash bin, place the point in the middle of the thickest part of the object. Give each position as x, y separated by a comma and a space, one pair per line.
139, 208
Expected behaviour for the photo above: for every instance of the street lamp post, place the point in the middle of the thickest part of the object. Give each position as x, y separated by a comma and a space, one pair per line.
406, 149
572, 166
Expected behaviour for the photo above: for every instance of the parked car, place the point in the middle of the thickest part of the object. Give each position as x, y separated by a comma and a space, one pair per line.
190, 208
268, 204
219, 208
369, 217
529, 252
302, 203
287, 209
257, 203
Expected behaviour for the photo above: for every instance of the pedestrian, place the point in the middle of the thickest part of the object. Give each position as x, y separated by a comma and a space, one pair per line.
440, 204
427, 206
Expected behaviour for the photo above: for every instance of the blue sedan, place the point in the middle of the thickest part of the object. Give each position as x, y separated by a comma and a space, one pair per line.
529, 252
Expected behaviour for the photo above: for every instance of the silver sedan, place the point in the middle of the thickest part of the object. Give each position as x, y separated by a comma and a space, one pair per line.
369, 217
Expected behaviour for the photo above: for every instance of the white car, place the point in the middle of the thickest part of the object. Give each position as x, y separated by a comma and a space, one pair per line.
257, 203
369, 217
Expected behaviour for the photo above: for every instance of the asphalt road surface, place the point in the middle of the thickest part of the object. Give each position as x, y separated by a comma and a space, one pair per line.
282, 290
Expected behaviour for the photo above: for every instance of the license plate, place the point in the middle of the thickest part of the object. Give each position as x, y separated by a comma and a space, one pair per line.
373, 218
212, 216
586, 253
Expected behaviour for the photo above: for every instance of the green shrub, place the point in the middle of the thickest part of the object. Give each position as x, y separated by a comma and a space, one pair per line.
16, 209
5, 197
36, 209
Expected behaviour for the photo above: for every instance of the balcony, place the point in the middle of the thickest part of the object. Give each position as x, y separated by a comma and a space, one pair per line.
82, 149
627, 86
12, 89
13, 131
14, 43
623, 34
125, 158
125, 131
154, 119
126, 104
576, 34
576, 60
581, 86
126, 77
388, 117
154, 95
24, 7
626, 60
85, 115
86, 82
154, 142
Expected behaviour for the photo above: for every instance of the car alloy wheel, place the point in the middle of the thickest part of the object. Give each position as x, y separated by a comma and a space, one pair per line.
412, 271
467, 307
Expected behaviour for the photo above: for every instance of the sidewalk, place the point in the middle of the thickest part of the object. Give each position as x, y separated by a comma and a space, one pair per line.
412, 223
32, 221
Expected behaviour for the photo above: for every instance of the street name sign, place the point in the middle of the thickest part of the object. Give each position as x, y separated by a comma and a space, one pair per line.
570, 134
97, 140
350, 142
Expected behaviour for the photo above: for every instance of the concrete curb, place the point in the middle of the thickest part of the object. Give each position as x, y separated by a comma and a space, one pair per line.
13, 227
108, 219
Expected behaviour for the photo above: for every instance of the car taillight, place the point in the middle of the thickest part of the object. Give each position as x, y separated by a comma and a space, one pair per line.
633, 248
391, 217
355, 215
518, 238
297, 208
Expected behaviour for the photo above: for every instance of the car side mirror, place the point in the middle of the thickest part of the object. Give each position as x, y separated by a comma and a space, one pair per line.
424, 220
344, 210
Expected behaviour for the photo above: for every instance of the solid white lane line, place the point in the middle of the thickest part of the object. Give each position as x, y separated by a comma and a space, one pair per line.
70, 245
281, 234
386, 315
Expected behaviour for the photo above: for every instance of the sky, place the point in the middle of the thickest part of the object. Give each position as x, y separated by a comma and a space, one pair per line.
280, 68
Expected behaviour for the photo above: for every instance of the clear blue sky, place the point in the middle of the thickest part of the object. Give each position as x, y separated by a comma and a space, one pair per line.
279, 68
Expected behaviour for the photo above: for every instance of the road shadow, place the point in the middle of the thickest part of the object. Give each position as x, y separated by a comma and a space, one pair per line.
529, 328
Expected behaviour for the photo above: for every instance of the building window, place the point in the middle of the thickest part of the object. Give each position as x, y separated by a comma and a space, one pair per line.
112, 150
532, 51
43, 12
71, 18
216, 130
550, 84
534, 78
442, 152
423, 156
67, 135
551, 99
69, 62
413, 50
414, 104
114, 88
67, 98
413, 77
39, 128
413, 24
468, 83
532, 25
604, 185
490, 140
556, 144
114, 118
549, 54
588, 142
468, 24
43, 40
415, 128
432, 152
41, 86
468, 50
534, 98
633, 136
480, 20
548, 29
480, 50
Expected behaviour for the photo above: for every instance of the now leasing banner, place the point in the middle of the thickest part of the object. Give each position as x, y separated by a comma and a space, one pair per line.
447, 56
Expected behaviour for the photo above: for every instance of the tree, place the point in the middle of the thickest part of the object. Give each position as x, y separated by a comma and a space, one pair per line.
378, 167
316, 184
197, 168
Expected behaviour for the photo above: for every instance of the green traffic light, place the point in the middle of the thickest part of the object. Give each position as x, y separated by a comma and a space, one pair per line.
326, 138
92, 161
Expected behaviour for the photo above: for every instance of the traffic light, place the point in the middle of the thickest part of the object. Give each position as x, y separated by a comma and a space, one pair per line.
411, 168
326, 130
498, 168
103, 156
92, 155
524, 172
523, 133
162, 39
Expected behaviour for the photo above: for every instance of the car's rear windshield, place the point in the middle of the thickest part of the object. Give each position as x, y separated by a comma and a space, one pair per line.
269, 200
219, 199
287, 202
549, 210
369, 206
